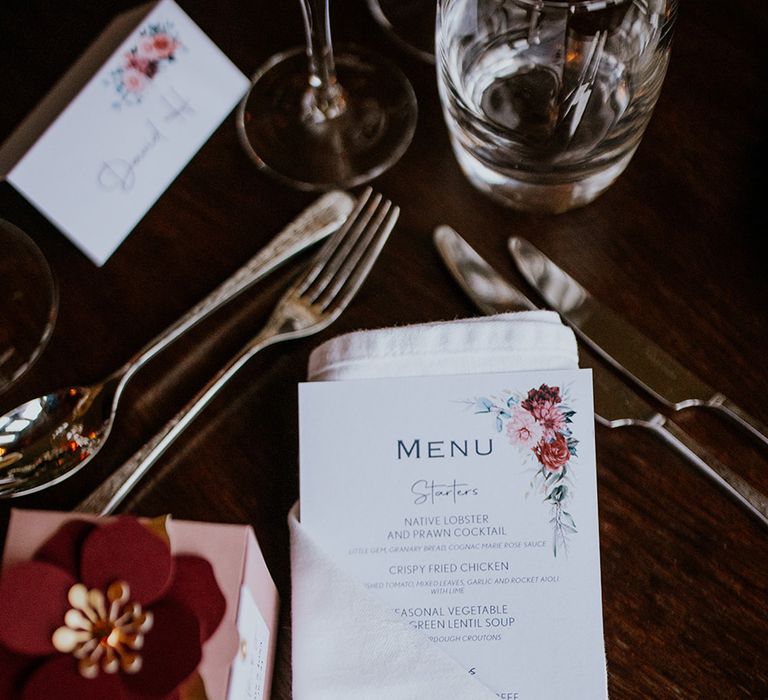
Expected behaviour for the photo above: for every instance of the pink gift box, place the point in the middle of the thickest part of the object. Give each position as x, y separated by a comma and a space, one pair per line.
239, 658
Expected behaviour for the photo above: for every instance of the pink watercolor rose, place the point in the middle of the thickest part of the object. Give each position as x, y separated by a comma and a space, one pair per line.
522, 428
160, 45
133, 81
548, 415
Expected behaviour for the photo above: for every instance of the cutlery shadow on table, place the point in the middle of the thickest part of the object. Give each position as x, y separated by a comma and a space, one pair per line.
154, 397
249, 438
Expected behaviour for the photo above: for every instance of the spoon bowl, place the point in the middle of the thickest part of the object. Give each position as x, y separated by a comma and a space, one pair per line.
50, 438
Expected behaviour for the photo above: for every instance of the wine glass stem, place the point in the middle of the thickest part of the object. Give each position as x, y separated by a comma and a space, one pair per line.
324, 98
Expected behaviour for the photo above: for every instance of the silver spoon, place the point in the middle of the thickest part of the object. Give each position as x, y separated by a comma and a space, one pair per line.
47, 439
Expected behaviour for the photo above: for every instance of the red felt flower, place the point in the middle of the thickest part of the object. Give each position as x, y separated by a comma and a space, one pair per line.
104, 612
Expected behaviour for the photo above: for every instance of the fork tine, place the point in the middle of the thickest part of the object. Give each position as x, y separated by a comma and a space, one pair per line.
353, 255
348, 286
333, 244
349, 250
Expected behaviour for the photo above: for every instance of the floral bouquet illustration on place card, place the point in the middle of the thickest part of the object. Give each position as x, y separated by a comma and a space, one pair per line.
539, 424
157, 47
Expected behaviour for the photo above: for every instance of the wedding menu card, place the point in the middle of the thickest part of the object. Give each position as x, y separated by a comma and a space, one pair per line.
121, 124
469, 505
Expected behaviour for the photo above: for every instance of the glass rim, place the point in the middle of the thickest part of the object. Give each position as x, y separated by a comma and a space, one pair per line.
24, 244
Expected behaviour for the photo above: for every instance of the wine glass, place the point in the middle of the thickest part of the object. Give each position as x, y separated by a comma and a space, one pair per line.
411, 23
28, 303
316, 120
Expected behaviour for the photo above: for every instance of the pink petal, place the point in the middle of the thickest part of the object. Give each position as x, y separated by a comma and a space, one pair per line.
127, 551
33, 601
171, 652
63, 547
194, 585
60, 679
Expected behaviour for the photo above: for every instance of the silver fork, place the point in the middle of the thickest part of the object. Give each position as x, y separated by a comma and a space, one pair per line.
311, 304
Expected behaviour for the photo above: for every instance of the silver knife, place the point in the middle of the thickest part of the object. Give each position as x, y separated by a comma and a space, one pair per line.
615, 404
623, 346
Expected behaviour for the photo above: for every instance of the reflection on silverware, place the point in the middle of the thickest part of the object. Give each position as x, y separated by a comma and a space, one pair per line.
310, 305
48, 439
615, 404
634, 355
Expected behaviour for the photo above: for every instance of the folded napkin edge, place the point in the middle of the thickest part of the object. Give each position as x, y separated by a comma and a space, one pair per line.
506, 340
418, 644
550, 360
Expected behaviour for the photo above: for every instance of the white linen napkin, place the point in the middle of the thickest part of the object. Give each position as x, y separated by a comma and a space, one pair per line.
347, 644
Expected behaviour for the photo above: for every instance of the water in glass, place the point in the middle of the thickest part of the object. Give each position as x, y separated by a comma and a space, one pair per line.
546, 102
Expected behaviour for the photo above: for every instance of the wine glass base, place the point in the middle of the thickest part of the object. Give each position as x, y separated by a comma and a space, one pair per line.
369, 136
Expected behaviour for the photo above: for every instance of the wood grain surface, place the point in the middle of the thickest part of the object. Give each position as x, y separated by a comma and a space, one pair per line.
674, 246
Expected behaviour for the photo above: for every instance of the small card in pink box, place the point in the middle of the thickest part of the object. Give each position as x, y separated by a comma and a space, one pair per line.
238, 658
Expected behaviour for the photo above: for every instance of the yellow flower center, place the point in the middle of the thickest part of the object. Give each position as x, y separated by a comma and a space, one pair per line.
103, 631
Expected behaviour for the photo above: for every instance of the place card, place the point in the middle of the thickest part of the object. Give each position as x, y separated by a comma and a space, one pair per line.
468, 504
121, 124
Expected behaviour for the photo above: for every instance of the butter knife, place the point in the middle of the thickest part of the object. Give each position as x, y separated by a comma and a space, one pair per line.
615, 404
619, 343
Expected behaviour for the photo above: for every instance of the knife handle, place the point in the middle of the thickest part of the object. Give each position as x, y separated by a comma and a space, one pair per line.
752, 499
722, 403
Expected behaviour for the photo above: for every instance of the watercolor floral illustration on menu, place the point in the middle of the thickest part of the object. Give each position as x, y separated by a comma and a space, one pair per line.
157, 47
539, 424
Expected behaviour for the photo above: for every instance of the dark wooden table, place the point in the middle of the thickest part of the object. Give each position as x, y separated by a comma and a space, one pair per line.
673, 246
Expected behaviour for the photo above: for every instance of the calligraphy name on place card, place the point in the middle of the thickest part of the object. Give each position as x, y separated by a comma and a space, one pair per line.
120, 125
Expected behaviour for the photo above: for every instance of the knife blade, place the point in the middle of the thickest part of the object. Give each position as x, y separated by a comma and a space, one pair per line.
615, 404
633, 354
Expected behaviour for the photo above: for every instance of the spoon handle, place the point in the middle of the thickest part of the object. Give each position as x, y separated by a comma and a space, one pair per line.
106, 498
318, 220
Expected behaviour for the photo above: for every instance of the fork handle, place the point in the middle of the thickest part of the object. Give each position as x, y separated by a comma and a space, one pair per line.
749, 497
722, 403
314, 223
106, 498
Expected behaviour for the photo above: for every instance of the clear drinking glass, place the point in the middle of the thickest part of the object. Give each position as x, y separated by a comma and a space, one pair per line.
28, 304
315, 119
546, 102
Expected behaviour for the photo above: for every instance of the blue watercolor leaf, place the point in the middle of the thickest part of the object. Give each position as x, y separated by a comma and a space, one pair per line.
483, 405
